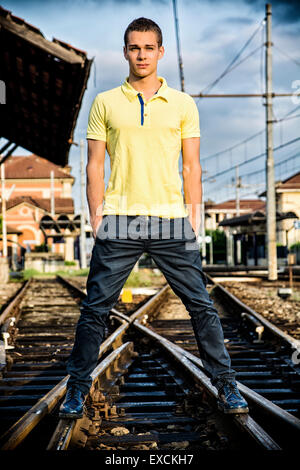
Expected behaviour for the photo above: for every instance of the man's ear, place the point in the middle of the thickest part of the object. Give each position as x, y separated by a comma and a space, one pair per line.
125, 52
161, 52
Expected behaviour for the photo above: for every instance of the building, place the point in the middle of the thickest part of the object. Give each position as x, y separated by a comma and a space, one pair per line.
28, 181
288, 200
215, 213
246, 234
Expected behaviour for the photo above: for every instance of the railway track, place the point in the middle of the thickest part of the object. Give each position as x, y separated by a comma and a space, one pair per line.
145, 383
39, 327
260, 353
45, 316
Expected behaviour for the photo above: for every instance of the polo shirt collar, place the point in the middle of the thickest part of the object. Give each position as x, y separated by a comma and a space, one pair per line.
131, 93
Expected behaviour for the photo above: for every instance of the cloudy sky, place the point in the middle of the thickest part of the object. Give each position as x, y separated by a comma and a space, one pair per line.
212, 34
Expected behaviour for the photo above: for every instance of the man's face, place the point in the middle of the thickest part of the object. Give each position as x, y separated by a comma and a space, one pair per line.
143, 53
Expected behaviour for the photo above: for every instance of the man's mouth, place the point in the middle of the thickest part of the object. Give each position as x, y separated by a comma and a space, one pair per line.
142, 65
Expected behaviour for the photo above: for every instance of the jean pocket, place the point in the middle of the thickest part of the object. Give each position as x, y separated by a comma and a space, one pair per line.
99, 230
189, 232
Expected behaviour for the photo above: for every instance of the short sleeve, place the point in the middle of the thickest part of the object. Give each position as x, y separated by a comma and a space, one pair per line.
96, 123
190, 124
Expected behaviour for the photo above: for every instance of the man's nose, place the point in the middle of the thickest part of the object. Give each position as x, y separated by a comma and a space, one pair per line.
141, 54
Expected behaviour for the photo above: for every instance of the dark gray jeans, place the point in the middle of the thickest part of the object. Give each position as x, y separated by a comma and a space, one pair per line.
172, 244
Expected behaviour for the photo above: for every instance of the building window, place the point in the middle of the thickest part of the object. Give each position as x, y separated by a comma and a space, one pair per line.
24, 211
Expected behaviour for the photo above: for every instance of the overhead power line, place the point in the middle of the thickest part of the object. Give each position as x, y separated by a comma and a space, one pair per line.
248, 139
230, 66
223, 172
287, 55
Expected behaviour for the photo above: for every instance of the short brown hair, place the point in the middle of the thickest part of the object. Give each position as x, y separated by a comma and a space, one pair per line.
143, 24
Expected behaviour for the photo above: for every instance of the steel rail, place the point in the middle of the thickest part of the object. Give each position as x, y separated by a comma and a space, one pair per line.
14, 303
246, 422
272, 328
21, 428
255, 398
61, 437
63, 433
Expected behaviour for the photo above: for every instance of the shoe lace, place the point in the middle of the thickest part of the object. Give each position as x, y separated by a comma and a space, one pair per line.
232, 387
71, 392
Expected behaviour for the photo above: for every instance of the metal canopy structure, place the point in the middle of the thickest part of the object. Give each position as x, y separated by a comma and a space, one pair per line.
44, 86
252, 218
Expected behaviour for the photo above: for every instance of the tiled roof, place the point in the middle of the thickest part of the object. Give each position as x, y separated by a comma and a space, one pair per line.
245, 204
291, 183
32, 167
62, 205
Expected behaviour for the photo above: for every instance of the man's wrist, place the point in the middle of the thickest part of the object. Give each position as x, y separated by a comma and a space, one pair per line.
95, 219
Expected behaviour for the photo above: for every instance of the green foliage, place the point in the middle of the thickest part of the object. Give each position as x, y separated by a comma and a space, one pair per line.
295, 246
28, 273
43, 248
219, 246
137, 280
70, 263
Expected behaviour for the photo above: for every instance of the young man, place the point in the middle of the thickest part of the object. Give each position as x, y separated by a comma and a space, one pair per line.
144, 124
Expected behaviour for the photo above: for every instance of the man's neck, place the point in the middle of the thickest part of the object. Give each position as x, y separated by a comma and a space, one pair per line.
148, 85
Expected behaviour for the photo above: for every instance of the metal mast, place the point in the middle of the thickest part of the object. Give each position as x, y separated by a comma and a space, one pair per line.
178, 45
270, 179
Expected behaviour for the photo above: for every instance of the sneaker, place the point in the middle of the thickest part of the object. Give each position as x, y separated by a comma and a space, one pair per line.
230, 400
72, 407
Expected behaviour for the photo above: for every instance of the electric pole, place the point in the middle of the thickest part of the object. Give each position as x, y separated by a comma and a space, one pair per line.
237, 191
178, 45
237, 205
52, 194
270, 179
82, 214
203, 242
52, 207
4, 231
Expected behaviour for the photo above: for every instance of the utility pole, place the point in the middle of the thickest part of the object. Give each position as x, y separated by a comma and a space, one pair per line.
4, 231
270, 179
52, 201
211, 250
82, 215
237, 191
203, 242
237, 205
178, 45
52, 193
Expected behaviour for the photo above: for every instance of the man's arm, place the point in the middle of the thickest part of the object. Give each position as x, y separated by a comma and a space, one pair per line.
95, 187
192, 184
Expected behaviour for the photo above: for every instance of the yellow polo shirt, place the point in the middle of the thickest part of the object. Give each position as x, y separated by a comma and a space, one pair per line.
143, 140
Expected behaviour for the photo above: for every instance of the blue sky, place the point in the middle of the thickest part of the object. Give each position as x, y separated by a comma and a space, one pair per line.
212, 33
